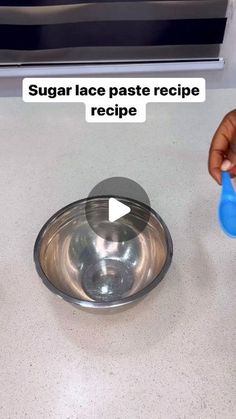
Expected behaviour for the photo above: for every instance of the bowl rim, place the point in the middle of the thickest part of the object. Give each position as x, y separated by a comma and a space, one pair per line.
98, 304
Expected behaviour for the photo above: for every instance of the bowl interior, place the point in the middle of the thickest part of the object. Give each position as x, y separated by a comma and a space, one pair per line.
87, 267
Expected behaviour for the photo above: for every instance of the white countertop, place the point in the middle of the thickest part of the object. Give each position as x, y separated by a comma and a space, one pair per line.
174, 354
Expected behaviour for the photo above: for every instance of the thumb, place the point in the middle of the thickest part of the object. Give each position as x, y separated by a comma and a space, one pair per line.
229, 163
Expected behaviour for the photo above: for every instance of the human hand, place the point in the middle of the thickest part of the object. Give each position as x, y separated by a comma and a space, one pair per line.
222, 154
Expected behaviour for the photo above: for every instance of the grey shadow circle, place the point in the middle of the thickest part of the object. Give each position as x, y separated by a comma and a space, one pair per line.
129, 193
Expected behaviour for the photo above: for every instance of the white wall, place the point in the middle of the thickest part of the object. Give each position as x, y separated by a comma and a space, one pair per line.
228, 50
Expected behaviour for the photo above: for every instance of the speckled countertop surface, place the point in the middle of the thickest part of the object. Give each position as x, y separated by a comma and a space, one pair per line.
174, 354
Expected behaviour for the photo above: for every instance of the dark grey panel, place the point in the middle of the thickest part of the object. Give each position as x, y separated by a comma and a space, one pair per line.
148, 10
35, 3
118, 54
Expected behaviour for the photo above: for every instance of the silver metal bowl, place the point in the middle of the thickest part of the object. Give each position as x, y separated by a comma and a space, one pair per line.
86, 269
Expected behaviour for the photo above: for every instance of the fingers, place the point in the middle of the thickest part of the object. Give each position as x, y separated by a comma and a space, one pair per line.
232, 153
218, 150
229, 164
215, 161
233, 171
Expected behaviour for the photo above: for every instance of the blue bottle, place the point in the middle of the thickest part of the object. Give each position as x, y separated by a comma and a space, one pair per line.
227, 206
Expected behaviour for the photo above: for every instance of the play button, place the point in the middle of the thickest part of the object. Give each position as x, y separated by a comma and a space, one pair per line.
117, 210
115, 214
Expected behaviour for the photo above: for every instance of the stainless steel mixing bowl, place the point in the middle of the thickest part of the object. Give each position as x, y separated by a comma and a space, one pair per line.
88, 270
